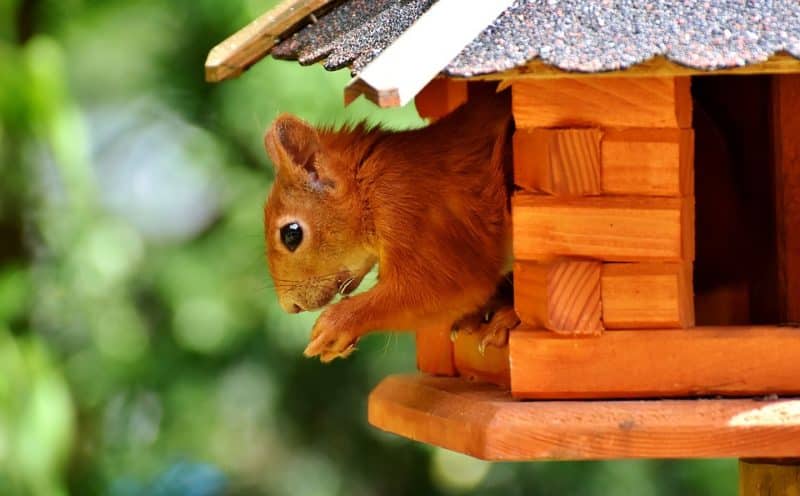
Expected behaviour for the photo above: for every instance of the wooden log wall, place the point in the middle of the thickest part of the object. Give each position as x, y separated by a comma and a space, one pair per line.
604, 248
606, 178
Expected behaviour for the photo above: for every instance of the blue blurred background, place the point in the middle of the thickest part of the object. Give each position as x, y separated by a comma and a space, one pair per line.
142, 351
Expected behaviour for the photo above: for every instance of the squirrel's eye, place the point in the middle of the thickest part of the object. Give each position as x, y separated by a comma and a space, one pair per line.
291, 236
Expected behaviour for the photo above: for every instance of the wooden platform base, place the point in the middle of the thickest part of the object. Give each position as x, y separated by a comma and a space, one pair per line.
484, 421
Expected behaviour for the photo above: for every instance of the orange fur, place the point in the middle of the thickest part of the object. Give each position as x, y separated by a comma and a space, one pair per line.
430, 206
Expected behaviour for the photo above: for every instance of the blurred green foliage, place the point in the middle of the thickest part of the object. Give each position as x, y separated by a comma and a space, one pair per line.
142, 351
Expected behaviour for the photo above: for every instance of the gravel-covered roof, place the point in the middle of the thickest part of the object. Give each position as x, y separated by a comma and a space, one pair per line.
576, 35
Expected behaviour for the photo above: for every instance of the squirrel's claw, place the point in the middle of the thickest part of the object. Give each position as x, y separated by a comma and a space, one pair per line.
492, 326
329, 344
329, 356
497, 337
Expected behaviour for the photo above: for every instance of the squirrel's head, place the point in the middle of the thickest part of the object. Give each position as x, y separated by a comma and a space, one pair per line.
312, 219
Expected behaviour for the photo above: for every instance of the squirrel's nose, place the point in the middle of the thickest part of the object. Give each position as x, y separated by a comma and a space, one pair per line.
289, 306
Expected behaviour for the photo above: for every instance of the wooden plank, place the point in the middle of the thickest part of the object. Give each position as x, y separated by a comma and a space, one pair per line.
561, 162
704, 361
412, 61
440, 97
659, 66
562, 296
613, 229
435, 350
786, 143
769, 477
251, 43
650, 162
647, 295
485, 422
624, 102
491, 366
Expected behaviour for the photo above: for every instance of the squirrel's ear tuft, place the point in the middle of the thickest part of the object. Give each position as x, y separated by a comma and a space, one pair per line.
293, 144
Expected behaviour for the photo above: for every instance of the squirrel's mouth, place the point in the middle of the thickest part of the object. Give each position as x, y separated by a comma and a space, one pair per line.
313, 295
349, 285
345, 284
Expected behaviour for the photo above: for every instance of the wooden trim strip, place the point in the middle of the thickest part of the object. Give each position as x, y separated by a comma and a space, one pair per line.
251, 43
414, 59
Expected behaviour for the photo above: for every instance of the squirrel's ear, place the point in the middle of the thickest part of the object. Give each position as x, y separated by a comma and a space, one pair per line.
293, 145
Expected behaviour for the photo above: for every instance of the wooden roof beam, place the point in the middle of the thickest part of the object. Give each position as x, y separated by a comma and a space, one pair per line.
253, 42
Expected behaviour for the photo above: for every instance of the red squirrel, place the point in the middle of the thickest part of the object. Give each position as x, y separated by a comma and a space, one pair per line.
430, 206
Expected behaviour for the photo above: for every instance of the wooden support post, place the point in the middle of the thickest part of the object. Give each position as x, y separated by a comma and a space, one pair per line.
606, 103
440, 97
435, 350
614, 229
786, 143
764, 477
647, 295
562, 296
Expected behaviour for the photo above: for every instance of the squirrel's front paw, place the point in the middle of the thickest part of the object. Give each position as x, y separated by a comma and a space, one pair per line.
329, 341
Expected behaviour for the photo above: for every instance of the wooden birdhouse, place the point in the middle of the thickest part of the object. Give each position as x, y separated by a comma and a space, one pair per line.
651, 144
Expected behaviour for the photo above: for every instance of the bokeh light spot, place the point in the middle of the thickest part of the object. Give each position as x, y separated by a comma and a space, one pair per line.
119, 333
203, 324
111, 252
456, 472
